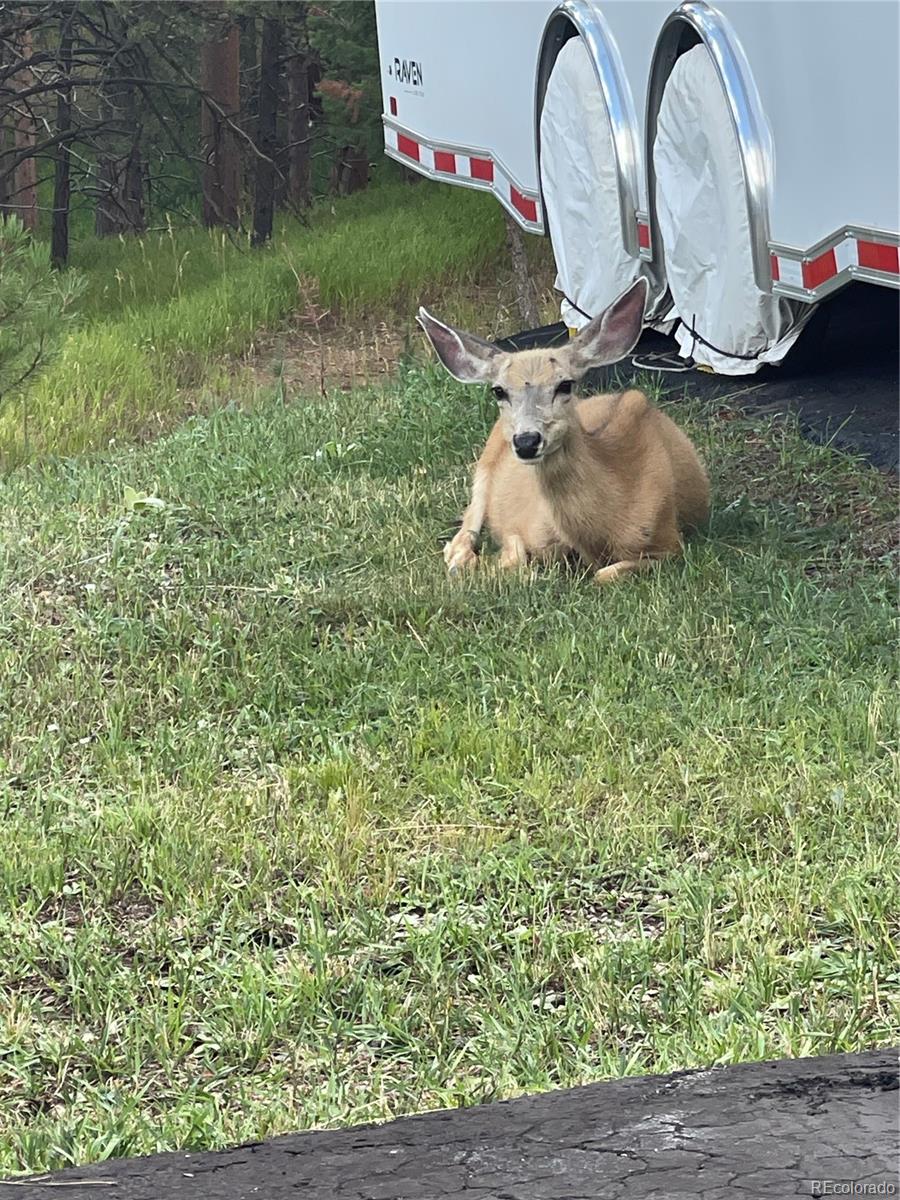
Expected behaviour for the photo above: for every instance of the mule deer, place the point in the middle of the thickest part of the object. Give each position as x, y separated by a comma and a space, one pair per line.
610, 478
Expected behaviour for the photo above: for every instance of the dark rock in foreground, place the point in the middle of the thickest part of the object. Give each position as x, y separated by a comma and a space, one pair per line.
795, 1127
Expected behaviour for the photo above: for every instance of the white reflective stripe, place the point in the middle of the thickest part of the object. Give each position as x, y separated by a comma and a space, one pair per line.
426, 156
789, 271
845, 254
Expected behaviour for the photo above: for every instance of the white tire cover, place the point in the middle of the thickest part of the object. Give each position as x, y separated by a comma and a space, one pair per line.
701, 207
580, 186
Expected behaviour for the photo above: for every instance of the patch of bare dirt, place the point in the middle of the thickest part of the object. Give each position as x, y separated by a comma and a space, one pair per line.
34, 991
321, 350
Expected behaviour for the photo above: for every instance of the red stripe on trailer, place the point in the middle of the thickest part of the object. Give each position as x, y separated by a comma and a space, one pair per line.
407, 146
393, 106
445, 162
643, 235
482, 168
819, 269
878, 257
776, 274
528, 208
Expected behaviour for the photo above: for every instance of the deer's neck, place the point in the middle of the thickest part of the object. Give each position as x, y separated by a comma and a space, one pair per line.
583, 490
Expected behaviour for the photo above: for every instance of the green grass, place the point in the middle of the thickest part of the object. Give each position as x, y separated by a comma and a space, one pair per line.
298, 833
160, 312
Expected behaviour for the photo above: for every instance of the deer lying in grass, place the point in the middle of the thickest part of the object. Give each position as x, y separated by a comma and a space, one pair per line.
609, 477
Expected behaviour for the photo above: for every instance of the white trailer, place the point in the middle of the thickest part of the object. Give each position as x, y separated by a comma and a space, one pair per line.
745, 157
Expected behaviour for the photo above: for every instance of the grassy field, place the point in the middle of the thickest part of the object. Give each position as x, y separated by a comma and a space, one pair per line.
162, 313
298, 833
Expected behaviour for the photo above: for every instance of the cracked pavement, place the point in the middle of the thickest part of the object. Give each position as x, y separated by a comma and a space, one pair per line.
729, 1133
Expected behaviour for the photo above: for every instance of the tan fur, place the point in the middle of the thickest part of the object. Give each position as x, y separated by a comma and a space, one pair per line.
618, 486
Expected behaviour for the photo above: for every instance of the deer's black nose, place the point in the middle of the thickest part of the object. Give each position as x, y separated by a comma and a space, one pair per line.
526, 445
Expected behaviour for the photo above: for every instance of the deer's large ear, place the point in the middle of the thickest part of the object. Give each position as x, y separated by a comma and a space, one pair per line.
613, 334
469, 359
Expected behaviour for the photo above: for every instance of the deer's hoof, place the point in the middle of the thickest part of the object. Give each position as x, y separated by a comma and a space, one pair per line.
459, 554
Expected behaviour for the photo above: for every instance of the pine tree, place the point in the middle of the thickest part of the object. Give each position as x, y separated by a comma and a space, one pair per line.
345, 37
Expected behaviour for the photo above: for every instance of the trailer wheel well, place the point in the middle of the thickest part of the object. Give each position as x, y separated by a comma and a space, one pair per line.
693, 23
578, 18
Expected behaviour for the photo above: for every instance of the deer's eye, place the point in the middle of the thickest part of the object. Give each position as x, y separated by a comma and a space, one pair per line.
500, 393
564, 388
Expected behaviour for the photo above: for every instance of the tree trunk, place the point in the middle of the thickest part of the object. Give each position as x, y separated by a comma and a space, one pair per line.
249, 63
350, 172
299, 129
120, 206
6, 182
23, 200
120, 209
220, 80
526, 293
266, 140
59, 237
282, 150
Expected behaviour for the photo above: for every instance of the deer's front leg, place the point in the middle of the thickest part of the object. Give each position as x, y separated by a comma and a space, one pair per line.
513, 553
460, 553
